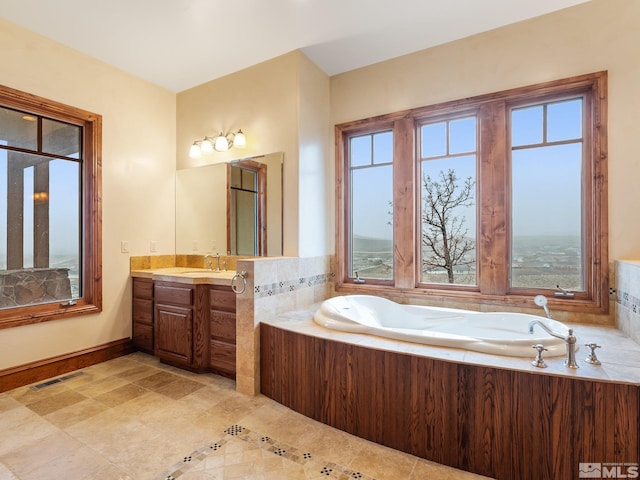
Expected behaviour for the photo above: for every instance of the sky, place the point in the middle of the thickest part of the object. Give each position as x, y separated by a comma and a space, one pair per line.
63, 209
546, 180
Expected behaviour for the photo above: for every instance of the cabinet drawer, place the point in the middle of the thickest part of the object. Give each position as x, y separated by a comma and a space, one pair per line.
142, 288
223, 356
143, 337
173, 295
222, 326
143, 310
222, 298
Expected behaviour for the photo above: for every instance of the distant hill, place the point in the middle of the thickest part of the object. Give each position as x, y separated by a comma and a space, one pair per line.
370, 244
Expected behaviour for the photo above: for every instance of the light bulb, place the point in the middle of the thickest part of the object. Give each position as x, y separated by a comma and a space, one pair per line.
221, 143
194, 151
239, 140
206, 146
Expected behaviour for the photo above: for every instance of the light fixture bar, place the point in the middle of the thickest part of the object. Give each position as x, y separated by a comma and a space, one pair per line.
220, 143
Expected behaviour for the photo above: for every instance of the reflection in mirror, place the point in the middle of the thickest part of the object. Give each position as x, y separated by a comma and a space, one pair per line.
246, 222
205, 202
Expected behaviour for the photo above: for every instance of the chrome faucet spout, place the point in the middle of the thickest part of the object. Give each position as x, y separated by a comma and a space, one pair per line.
542, 325
569, 339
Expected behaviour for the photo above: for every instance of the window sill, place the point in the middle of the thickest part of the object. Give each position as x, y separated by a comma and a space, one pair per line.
473, 300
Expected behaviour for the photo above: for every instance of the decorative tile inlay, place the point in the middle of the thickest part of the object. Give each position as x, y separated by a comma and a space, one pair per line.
287, 286
628, 301
237, 432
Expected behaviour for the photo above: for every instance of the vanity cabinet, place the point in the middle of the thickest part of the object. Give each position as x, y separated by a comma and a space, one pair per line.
190, 326
222, 331
180, 325
142, 314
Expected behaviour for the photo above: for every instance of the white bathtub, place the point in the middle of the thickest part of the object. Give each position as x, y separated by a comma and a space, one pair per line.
496, 332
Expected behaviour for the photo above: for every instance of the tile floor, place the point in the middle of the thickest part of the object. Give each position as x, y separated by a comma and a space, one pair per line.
133, 418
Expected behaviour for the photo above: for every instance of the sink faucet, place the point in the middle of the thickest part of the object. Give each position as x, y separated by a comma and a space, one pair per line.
209, 260
570, 340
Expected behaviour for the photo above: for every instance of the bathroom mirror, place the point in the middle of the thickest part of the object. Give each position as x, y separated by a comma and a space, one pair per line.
206, 199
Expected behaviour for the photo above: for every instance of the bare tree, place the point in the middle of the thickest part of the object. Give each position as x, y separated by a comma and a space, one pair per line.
443, 232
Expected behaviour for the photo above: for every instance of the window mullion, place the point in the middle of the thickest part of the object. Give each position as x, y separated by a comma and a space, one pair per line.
404, 203
493, 198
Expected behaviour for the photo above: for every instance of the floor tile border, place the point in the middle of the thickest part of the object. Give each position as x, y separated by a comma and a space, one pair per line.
284, 450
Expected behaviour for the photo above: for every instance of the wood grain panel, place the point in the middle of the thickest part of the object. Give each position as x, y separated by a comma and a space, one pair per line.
499, 423
173, 334
222, 326
222, 298
142, 288
173, 294
143, 310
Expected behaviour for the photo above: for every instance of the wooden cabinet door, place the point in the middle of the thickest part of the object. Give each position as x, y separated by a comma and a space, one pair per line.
173, 329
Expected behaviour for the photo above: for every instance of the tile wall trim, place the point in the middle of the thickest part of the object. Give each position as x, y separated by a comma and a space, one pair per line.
628, 301
289, 286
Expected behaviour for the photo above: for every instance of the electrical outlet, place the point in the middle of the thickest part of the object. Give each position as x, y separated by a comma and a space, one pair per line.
195, 246
153, 246
124, 246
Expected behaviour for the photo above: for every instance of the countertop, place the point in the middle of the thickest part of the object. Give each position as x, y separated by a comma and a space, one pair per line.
186, 275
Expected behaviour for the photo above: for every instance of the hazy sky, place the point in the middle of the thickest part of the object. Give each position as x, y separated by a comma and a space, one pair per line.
546, 180
63, 208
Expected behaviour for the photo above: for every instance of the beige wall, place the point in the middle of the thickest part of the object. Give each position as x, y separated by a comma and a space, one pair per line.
138, 167
282, 105
599, 35
315, 176
262, 101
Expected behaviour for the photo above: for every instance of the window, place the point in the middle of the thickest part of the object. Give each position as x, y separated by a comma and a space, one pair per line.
448, 177
495, 198
50, 239
371, 219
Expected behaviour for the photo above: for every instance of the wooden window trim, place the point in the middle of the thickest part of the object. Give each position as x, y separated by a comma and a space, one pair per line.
493, 234
91, 270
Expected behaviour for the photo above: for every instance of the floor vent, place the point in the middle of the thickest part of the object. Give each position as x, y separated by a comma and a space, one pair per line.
54, 381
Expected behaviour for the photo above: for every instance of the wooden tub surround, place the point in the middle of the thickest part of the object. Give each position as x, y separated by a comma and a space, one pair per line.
488, 419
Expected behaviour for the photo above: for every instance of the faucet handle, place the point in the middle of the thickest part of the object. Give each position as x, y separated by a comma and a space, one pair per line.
591, 358
539, 361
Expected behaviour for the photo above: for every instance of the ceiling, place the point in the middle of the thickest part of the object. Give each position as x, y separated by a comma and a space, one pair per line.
179, 44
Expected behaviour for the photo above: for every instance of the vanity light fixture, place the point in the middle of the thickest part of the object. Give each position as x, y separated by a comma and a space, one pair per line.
219, 143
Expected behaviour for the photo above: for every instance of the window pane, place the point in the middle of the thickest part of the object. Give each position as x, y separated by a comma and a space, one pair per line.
383, 147
236, 177
434, 139
17, 129
526, 126
40, 248
372, 222
360, 151
60, 138
448, 235
64, 220
546, 195
249, 180
564, 120
27, 215
462, 135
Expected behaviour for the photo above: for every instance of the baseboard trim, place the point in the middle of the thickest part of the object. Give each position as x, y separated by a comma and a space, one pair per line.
28, 373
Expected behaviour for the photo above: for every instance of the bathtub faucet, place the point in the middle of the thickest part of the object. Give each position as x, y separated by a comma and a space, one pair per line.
570, 340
